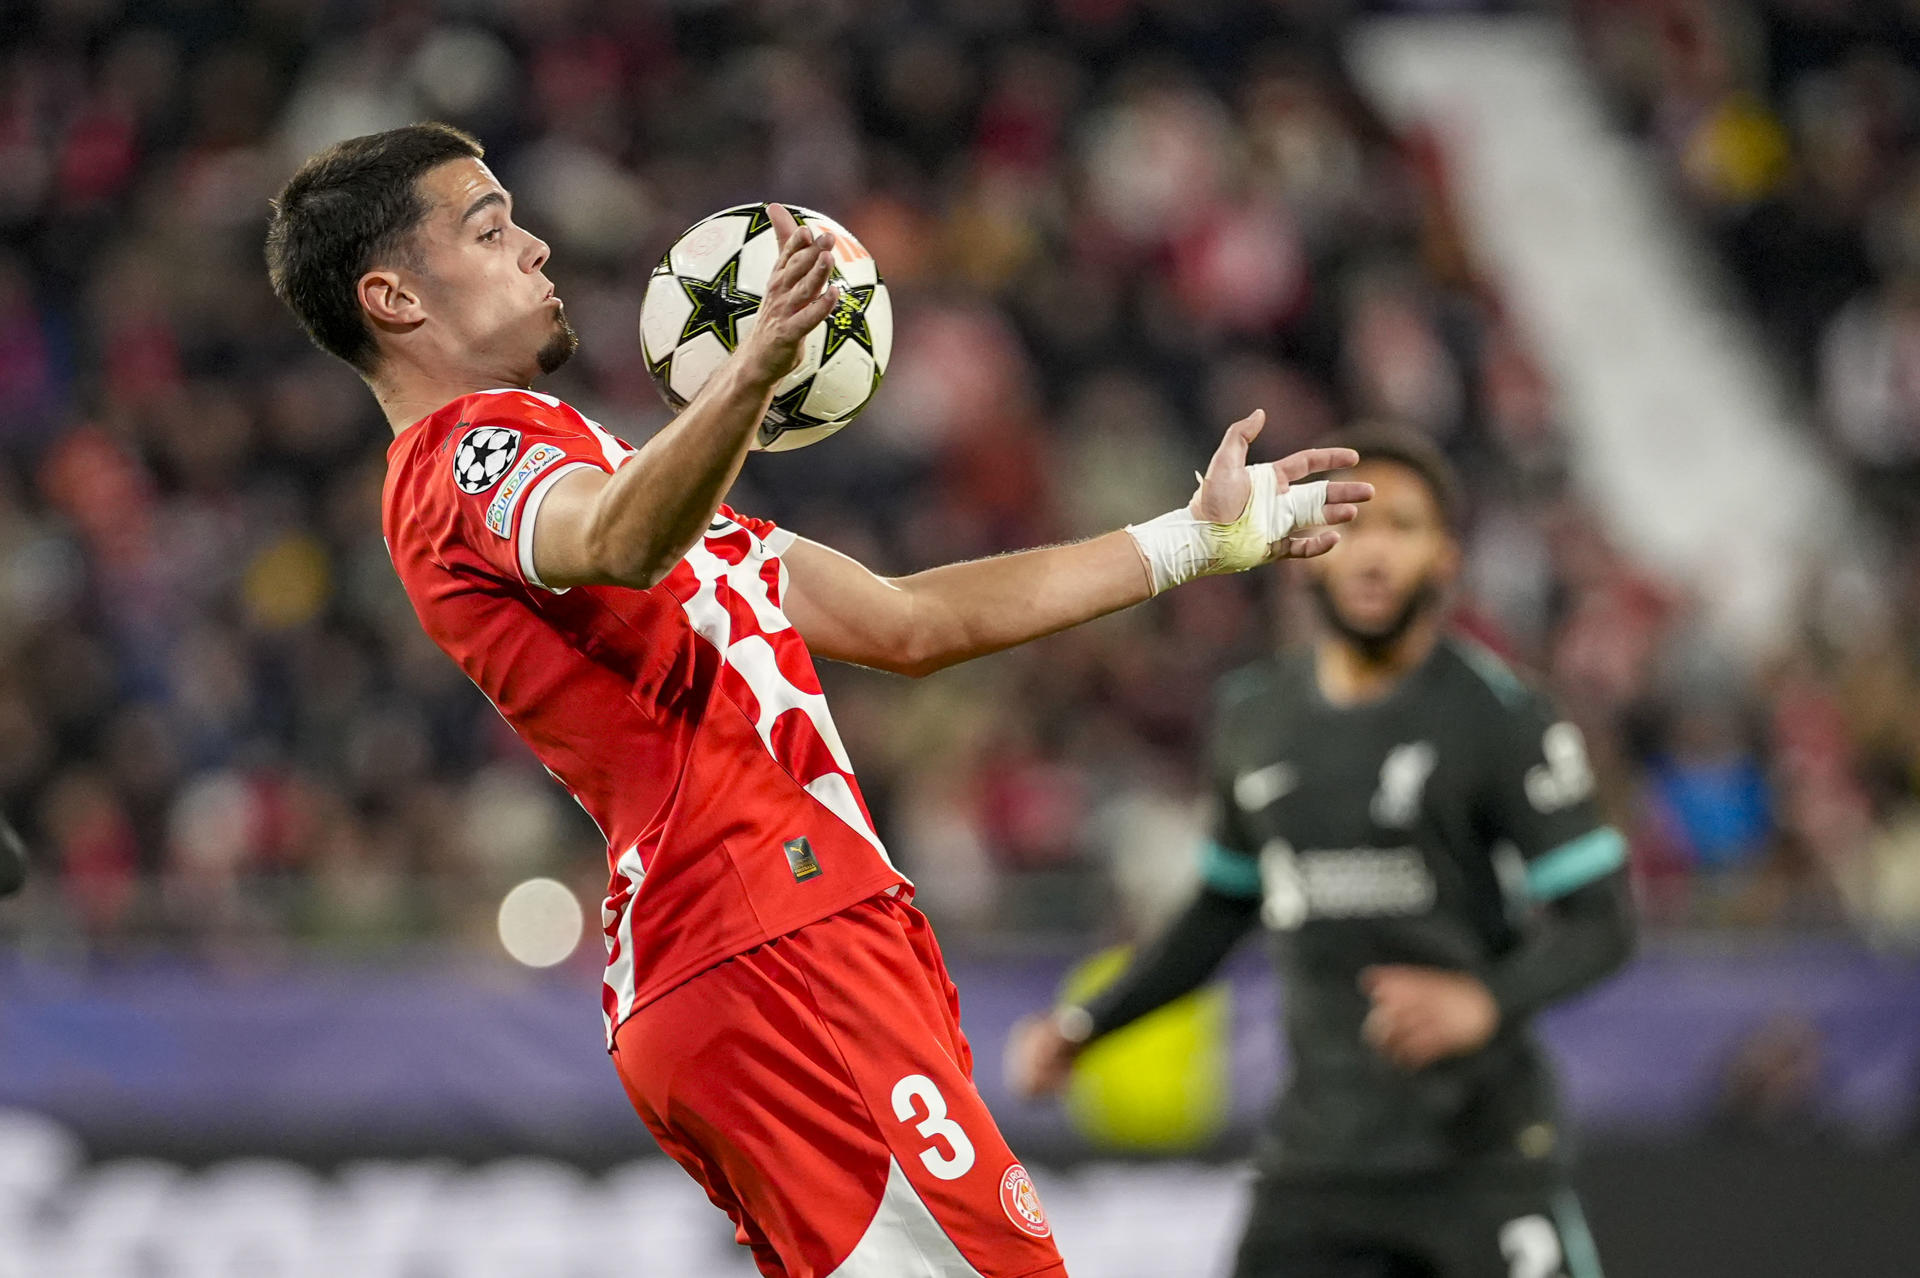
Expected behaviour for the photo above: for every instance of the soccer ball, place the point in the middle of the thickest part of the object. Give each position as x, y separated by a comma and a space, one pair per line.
704, 296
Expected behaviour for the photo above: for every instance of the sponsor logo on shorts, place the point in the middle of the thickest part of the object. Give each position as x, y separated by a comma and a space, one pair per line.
500, 509
1021, 1201
800, 860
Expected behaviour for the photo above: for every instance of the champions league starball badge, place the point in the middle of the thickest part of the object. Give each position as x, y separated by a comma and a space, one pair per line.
484, 454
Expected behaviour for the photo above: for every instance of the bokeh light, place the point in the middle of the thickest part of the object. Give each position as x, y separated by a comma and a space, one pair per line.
540, 922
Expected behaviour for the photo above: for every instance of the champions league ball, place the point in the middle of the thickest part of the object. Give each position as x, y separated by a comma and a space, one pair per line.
704, 296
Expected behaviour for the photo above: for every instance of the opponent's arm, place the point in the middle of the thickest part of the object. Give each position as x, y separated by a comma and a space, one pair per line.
1538, 798
1041, 1049
1581, 938
1241, 516
631, 527
1421, 1015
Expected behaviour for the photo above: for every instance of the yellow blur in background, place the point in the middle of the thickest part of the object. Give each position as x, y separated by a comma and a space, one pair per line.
1160, 1085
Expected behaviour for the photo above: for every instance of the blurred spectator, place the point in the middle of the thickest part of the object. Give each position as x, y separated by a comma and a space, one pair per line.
1109, 230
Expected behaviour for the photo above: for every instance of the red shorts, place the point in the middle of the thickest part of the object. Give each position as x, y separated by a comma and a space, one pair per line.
820, 1090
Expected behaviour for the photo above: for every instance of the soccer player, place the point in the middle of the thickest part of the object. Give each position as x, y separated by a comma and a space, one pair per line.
1417, 831
777, 1010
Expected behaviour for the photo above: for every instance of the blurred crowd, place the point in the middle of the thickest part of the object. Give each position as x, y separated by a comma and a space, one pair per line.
1110, 227
1791, 130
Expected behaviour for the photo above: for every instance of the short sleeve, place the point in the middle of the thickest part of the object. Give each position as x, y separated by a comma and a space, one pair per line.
497, 465
777, 539
1540, 799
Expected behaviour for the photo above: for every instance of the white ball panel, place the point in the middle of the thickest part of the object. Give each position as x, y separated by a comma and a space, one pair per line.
756, 263
842, 385
850, 257
663, 313
694, 363
707, 246
810, 349
856, 266
880, 324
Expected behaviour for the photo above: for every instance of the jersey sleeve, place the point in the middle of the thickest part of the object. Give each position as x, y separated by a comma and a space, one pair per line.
776, 537
498, 465
1540, 799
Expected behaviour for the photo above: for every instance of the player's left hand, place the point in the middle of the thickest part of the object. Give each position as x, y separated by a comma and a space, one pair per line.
1425, 1014
1232, 489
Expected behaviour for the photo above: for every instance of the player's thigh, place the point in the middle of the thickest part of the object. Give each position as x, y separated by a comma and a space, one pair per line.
834, 1113
1301, 1257
1519, 1233
887, 1006
731, 1079
1309, 1231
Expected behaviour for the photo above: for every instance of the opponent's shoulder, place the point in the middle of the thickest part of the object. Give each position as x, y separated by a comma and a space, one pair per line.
1488, 683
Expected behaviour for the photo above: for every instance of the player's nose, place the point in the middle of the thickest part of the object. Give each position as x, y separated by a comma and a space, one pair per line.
537, 253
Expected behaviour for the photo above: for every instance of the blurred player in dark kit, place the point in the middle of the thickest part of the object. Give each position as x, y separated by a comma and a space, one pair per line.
1417, 831
777, 1009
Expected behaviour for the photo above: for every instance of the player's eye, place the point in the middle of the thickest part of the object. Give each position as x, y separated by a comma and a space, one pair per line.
493, 234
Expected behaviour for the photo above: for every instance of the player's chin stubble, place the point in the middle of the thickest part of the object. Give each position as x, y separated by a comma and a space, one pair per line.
1377, 641
560, 347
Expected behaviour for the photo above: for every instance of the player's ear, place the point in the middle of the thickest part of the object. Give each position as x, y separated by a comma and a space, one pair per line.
387, 300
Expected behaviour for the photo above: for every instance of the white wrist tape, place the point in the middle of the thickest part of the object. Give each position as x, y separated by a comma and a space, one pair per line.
1179, 547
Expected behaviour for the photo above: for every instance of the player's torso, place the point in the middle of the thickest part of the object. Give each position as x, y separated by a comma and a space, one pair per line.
1368, 822
1372, 844
686, 719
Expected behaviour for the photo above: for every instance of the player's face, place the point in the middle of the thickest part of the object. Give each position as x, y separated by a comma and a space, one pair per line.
482, 279
1392, 561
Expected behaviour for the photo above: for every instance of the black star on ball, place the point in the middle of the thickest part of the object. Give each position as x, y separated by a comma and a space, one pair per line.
718, 306
785, 409
758, 220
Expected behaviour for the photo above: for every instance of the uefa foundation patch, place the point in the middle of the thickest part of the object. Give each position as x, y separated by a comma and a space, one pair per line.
1021, 1201
500, 509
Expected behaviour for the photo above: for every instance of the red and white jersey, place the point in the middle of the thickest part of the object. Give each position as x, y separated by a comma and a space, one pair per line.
687, 719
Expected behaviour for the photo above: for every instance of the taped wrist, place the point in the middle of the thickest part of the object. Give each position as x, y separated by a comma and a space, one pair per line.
1179, 547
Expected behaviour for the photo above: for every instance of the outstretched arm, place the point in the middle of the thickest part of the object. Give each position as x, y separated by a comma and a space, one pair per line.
1241, 516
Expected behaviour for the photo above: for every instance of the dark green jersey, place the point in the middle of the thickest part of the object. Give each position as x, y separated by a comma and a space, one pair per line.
1417, 829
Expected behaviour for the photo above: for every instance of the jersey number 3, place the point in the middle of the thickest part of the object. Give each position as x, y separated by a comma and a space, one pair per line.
917, 1100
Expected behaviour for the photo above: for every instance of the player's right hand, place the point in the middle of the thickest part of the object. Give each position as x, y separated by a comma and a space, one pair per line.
1039, 1057
798, 297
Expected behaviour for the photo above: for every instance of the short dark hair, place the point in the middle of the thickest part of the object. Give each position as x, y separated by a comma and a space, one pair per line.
348, 209
1416, 451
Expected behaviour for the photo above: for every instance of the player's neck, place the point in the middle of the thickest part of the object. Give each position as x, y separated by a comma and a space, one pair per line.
408, 393
1350, 674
